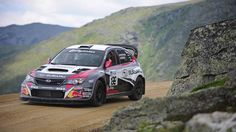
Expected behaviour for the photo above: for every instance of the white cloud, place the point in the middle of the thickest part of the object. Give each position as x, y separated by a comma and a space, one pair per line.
65, 12
30, 17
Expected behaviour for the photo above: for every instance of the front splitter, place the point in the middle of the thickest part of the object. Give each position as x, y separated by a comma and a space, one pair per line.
43, 100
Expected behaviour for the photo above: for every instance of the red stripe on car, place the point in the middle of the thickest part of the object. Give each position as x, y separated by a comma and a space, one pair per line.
83, 74
112, 91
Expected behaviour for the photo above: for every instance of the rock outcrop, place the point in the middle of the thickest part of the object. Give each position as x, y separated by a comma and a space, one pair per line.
207, 122
207, 77
173, 108
215, 122
209, 55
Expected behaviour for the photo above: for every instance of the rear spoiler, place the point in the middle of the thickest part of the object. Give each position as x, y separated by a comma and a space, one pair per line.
133, 48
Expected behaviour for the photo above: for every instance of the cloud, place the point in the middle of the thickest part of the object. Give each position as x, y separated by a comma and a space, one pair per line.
65, 12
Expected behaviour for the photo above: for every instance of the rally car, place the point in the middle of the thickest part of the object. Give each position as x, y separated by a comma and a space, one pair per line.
86, 73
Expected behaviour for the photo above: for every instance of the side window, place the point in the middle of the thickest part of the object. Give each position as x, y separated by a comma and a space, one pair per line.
112, 56
129, 56
124, 56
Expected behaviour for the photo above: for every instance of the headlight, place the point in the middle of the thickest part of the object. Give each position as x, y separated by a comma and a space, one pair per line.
29, 78
75, 81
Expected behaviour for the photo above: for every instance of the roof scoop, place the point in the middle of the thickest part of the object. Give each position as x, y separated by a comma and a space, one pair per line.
57, 70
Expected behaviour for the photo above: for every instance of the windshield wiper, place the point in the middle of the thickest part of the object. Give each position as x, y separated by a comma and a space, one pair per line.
63, 64
69, 64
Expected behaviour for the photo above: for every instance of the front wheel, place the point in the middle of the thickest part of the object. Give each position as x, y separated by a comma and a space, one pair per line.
99, 95
138, 90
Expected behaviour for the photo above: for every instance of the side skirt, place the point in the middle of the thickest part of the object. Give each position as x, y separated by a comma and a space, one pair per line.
120, 94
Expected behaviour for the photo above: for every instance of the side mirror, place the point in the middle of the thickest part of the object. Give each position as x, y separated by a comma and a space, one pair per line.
108, 63
49, 60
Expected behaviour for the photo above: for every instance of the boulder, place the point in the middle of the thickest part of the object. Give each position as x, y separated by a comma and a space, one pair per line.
213, 122
209, 55
172, 108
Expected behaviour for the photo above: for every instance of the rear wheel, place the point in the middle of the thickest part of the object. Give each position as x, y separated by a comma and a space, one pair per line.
138, 89
99, 95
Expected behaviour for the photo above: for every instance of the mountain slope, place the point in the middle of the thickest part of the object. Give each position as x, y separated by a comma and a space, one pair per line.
15, 38
159, 31
168, 32
29, 33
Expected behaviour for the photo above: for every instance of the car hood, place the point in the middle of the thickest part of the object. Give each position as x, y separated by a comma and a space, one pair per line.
59, 71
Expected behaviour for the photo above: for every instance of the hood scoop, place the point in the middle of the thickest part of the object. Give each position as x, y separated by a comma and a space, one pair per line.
57, 70
80, 70
40, 68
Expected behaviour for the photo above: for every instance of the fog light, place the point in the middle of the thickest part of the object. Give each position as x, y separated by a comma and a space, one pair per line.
25, 91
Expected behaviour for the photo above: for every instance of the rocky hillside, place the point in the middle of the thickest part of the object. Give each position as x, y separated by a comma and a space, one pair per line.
212, 49
159, 31
166, 34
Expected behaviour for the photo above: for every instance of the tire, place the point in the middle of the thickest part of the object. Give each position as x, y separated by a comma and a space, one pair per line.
99, 95
138, 90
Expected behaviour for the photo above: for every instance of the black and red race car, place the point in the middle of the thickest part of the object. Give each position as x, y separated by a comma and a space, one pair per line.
86, 73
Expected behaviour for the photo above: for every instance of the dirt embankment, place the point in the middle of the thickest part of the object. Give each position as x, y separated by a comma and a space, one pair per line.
18, 116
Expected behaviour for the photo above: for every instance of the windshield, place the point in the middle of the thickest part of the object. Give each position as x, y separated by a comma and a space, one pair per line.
79, 57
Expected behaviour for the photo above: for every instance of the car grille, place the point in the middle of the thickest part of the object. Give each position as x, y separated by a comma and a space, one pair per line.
47, 93
51, 82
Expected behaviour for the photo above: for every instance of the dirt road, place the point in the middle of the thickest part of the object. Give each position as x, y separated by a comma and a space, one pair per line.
18, 116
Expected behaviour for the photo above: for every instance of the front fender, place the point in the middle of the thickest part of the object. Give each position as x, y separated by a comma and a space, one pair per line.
91, 80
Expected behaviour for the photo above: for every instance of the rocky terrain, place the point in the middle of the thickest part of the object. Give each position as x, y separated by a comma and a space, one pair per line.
209, 58
217, 121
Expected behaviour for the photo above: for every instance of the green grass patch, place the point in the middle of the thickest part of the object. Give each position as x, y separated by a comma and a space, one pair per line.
146, 127
216, 83
161, 127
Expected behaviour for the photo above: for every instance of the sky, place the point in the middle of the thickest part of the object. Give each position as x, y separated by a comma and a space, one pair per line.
71, 13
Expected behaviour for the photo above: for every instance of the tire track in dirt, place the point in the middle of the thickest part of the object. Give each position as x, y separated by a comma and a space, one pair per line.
18, 116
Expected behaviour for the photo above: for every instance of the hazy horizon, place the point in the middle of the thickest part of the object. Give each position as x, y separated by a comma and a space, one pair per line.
61, 12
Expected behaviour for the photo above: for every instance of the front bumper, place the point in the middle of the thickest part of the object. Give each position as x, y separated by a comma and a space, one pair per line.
55, 94
43, 100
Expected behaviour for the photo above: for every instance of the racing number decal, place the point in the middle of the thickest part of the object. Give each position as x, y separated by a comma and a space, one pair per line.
113, 79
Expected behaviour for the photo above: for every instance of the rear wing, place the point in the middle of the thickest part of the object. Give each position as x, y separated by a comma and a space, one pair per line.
132, 48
